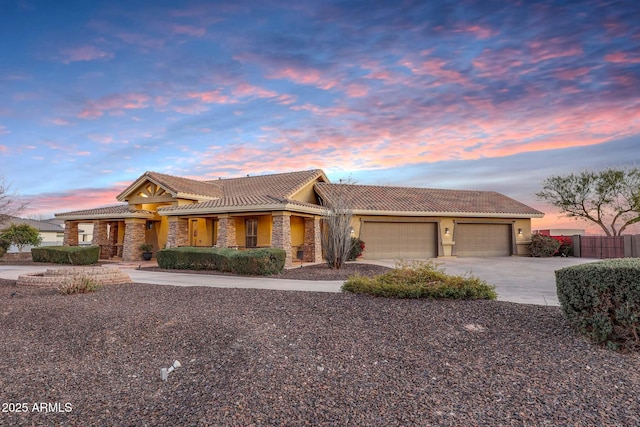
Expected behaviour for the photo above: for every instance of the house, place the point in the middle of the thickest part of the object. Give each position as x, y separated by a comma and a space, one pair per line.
51, 234
561, 232
285, 211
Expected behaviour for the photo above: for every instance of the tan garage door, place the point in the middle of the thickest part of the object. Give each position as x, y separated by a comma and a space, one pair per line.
399, 240
483, 240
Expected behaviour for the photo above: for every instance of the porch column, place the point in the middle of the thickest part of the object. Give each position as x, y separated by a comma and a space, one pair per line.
312, 240
227, 231
178, 234
281, 234
134, 236
70, 233
100, 238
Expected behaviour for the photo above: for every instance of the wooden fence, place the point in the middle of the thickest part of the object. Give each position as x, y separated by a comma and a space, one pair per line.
606, 246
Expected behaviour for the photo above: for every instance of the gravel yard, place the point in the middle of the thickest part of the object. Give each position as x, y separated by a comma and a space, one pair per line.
259, 357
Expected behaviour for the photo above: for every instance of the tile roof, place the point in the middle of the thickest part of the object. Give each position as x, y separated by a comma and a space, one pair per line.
411, 199
117, 211
40, 225
226, 203
177, 185
281, 185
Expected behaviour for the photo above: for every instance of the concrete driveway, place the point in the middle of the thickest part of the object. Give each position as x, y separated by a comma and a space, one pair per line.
517, 279
523, 280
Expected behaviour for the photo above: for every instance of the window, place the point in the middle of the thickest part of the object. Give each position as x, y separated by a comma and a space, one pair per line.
251, 227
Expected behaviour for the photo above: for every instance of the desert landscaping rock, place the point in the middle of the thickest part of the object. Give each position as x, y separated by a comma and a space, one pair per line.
258, 357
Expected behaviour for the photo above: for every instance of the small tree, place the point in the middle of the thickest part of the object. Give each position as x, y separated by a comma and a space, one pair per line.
9, 204
610, 198
21, 235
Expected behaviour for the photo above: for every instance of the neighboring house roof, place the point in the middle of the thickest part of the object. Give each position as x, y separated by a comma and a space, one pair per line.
372, 199
42, 226
117, 211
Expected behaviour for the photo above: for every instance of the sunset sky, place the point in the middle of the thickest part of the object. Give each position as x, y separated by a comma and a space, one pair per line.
487, 95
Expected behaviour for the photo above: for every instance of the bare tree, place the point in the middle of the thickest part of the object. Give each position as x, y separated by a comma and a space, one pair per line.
336, 225
9, 202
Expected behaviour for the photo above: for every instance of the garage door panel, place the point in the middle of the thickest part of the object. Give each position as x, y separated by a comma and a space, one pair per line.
399, 240
483, 240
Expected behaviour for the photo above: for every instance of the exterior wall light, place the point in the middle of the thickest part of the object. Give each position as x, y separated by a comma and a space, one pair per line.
520, 231
446, 231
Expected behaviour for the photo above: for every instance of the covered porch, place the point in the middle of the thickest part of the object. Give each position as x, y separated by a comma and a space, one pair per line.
297, 234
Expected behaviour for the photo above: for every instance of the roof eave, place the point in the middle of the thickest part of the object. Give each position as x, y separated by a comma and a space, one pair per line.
448, 214
250, 208
141, 215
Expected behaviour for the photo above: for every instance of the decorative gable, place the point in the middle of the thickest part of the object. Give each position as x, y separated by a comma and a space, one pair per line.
152, 190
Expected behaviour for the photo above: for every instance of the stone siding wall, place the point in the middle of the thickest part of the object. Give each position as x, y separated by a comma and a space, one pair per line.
178, 234
70, 233
134, 236
312, 243
281, 234
227, 232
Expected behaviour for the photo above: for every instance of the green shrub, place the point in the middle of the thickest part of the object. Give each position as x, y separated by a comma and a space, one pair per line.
602, 301
249, 262
75, 255
543, 246
4, 246
357, 246
78, 285
258, 261
420, 280
194, 258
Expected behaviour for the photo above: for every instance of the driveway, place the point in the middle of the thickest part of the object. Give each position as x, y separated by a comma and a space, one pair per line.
517, 279
523, 280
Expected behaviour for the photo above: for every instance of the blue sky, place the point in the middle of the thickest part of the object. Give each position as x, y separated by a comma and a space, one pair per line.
446, 94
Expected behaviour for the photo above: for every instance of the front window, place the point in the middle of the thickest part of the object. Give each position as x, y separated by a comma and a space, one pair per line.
251, 233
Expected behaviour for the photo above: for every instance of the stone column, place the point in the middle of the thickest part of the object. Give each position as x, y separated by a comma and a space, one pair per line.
227, 231
281, 234
70, 233
178, 234
134, 236
312, 240
100, 238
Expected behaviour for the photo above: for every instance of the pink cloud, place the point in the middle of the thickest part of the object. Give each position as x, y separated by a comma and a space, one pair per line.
189, 30
84, 53
551, 49
573, 74
4, 130
60, 122
478, 31
356, 90
102, 139
50, 203
4, 149
304, 76
141, 40
622, 58
245, 89
190, 109
210, 97
113, 104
